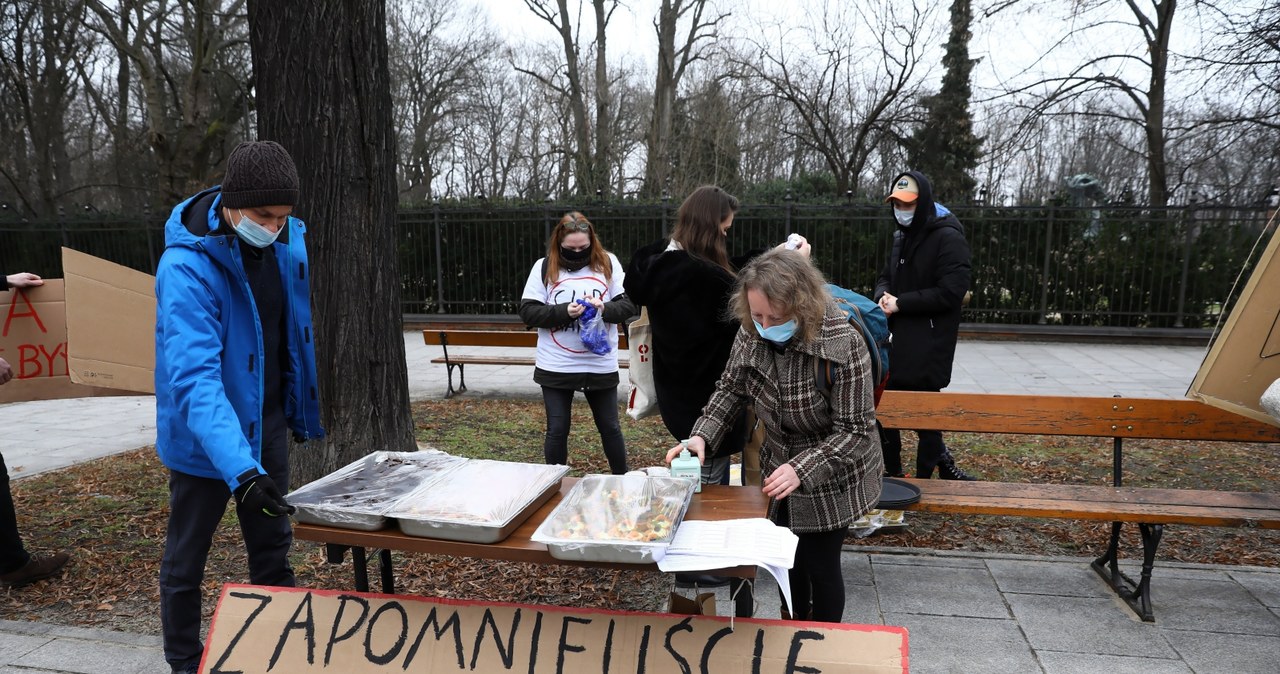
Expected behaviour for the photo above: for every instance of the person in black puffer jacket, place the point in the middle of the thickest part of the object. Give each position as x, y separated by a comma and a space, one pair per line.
921, 290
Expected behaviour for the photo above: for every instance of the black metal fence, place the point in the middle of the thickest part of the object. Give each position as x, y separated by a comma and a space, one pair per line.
1119, 267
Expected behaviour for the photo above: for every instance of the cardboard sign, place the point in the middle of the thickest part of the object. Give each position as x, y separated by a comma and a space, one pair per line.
111, 322
1245, 358
33, 340
259, 629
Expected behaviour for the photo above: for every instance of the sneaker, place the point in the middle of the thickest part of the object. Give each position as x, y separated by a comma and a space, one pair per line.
948, 470
37, 568
188, 669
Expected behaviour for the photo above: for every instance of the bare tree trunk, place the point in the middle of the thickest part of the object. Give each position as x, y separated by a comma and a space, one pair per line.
1157, 34
590, 160
37, 72
602, 156
120, 123
666, 86
187, 119
324, 93
658, 152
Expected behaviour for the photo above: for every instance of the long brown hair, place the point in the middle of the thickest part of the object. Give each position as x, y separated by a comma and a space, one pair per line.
698, 224
789, 280
574, 221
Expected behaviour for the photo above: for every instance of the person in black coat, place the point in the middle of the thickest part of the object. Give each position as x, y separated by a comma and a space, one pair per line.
686, 282
18, 567
922, 289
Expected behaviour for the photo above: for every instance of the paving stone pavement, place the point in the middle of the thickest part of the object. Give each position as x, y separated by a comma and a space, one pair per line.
965, 612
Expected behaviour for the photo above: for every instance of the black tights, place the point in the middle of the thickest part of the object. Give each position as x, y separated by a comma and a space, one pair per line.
604, 409
817, 581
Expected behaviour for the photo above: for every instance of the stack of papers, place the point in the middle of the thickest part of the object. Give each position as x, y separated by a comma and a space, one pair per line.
702, 545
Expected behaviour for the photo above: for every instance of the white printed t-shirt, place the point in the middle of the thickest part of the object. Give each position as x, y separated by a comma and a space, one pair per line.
561, 350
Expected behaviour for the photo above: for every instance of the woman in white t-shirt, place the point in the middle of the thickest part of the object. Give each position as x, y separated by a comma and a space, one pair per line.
576, 267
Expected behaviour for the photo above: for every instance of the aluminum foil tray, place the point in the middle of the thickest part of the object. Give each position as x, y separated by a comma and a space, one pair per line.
481, 501
625, 519
358, 495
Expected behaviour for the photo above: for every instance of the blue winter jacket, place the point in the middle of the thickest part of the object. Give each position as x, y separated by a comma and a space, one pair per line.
209, 346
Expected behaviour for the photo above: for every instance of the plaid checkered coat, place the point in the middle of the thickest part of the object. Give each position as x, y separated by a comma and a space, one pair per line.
833, 447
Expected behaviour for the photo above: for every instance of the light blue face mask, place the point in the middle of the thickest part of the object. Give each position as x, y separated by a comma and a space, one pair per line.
254, 234
779, 333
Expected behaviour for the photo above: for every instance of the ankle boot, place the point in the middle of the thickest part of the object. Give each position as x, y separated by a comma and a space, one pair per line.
948, 470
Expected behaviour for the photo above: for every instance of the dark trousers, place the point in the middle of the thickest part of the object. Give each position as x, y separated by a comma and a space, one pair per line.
817, 581
604, 409
196, 505
12, 555
929, 451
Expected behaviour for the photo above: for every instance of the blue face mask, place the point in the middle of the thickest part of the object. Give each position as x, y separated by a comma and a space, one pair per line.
254, 234
779, 333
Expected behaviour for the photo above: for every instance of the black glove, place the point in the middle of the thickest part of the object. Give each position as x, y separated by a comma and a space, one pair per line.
259, 494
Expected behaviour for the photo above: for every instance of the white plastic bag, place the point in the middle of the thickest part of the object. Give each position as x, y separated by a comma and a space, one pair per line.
643, 401
1270, 400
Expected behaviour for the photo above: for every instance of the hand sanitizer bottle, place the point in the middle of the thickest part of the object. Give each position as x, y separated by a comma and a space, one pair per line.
686, 465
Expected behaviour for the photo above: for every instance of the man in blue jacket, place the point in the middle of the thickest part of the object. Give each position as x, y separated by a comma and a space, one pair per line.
235, 376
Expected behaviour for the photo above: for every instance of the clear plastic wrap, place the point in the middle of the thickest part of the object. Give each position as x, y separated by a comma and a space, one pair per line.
616, 518
480, 501
358, 495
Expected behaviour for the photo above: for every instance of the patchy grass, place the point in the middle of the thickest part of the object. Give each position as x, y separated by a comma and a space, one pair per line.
111, 513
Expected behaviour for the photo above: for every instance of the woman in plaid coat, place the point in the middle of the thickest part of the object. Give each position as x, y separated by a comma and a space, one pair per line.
821, 458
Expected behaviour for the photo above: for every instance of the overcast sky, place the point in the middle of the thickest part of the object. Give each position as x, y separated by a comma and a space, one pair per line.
1010, 46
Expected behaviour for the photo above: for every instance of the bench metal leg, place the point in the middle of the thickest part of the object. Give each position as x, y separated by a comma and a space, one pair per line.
462, 378
1136, 594
448, 366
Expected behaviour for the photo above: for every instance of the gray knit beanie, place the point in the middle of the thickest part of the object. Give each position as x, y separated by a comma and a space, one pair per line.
260, 173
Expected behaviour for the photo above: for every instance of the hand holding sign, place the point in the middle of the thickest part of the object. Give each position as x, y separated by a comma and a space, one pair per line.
24, 280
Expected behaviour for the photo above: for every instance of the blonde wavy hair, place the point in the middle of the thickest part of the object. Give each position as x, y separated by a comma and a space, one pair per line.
790, 282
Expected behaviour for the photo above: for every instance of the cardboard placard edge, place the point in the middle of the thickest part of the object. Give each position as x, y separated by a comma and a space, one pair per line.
95, 288
892, 655
1194, 391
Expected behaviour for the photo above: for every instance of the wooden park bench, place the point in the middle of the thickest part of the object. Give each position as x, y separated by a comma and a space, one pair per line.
1115, 418
498, 339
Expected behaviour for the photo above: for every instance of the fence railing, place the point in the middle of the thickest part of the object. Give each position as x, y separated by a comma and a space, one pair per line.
1119, 267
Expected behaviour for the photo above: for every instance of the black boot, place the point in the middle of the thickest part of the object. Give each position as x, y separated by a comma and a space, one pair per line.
948, 470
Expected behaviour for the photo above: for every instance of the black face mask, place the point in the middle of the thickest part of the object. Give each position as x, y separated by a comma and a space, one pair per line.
573, 260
